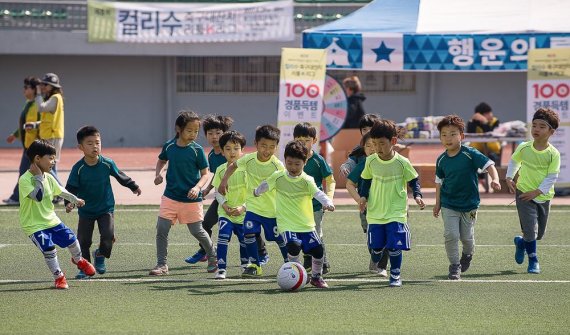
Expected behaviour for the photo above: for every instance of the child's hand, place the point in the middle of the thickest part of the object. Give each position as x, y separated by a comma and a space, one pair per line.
329, 208
420, 203
436, 210
344, 169
205, 192
511, 185
80, 202
223, 188
496, 185
69, 207
239, 210
10, 139
158, 180
227, 209
194, 192
528, 196
137, 191
362, 204
35, 170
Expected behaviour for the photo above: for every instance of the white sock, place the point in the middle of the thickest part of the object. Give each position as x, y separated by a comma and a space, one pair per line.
293, 258
52, 263
317, 269
75, 251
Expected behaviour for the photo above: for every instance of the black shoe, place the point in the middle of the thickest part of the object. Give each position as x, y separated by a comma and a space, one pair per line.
454, 272
465, 262
307, 262
326, 268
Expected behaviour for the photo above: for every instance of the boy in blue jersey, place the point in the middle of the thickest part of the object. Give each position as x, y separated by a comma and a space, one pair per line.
37, 188
457, 192
186, 176
316, 167
89, 180
387, 200
259, 166
538, 165
214, 126
295, 221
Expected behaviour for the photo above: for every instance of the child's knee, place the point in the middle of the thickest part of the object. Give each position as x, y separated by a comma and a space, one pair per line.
317, 252
293, 248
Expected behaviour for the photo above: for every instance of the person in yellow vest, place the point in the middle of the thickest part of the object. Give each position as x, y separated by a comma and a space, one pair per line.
50, 107
27, 135
483, 121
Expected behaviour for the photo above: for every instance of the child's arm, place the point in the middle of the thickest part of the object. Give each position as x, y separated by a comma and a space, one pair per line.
262, 188
195, 191
37, 193
351, 188
416, 191
223, 188
65, 194
363, 202
495, 183
330, 186
347, 166
512, 170
160, 164
437, 206
324, 200
222, 202
208, 187
69, 206
124, 180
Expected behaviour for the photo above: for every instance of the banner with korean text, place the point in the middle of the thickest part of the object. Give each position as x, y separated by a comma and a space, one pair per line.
548, 86
301, 87
190, 22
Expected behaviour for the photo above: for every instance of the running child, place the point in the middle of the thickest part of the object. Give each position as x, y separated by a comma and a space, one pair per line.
37, 188
89, 180
186, 175
295, 221
357, 154
538, 164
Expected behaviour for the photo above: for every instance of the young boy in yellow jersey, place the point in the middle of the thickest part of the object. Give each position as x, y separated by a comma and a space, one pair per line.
260, 212
538, 165
387, 200
316, 167
295, 221
231, 209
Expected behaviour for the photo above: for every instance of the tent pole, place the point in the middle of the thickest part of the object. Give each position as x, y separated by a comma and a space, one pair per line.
431, 94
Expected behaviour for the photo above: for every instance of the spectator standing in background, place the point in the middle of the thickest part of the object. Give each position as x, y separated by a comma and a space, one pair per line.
352, 87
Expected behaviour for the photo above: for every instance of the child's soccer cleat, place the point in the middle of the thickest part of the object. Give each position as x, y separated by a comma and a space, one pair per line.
264, 259
199, 256
220, 274
212, 265
372, 267
159, 270
395, 281
252, 271
243, 266
454, 272
81, 275
519, 249
382, 273
308, 262
465, 262
85, 266
319, 282
61, 283
99, 262
533, 267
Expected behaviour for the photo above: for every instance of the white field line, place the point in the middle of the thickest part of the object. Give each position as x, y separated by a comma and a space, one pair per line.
266, 280
513, 210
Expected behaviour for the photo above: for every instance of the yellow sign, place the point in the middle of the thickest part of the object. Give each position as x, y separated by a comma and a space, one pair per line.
548, 64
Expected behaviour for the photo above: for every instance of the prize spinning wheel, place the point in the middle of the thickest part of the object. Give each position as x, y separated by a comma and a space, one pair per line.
335, 109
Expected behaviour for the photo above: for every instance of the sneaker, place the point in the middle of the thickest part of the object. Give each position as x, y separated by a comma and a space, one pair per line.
81, 275
319, 282
243, 266
159, 270
220, 274
11, 202
99, 262
372, 267
326, 268
199, 256
454, 272
61, 283
533, 267
264, 259
395, 281
382, 273
465, 262
519, 249
252, 271
212, 265
85, 266
308, 262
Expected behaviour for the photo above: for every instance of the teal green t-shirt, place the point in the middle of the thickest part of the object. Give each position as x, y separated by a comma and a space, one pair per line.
460, 184
215, 160
92, 184
355, 177
317, 168
183, 173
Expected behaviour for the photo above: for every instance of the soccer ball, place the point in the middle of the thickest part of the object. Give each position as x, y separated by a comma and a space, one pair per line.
291, 276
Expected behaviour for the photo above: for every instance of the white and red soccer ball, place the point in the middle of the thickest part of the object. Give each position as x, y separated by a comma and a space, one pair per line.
291, 276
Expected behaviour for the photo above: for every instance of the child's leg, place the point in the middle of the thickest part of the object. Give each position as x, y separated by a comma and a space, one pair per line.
318, 216
272, 234
162, 229
202, 236
210, 220
224, 238
46, 246
293, 245
451, 234
261, 248
467, 231
106, 223
85, 235
238, 231
398, 238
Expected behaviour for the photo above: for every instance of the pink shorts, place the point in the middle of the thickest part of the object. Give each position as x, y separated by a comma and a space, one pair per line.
181, 212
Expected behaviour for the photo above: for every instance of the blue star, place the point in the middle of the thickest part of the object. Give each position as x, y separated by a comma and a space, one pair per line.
383, 53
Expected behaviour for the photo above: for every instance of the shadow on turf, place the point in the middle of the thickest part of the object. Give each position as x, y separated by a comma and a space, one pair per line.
481, 275
43, 282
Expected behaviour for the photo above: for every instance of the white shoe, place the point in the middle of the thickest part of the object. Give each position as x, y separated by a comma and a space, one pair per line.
220, 274
383, 273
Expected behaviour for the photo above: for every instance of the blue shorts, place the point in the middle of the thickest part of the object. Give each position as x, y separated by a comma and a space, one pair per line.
393, 235
252, 224
46, 239
227, 228
308, 241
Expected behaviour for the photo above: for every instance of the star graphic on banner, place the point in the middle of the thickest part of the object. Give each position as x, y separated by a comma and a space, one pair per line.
383, 52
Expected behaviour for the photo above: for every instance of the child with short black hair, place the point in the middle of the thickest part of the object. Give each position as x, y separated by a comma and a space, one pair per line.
357, 154
316, 167
37, 188
89, 180
538, 165
295, 221
457, 192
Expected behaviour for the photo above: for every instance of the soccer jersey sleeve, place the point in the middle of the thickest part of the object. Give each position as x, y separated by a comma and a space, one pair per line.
271, 180
554, 166
325, 168
278, 163
57, 189
312, 188
202, 160
479, 160
367, 172
26, 185
517, 154
241, 163
409, 171
163, 156
120, 176
73, 179
354, 175
220, 171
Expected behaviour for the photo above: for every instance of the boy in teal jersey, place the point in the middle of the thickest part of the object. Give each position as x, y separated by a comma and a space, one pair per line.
295, 220
538, 166
386, 202
260, 210
357, 154
186, 176
232, 206
37, 188
89, 180
457, 192
316, 167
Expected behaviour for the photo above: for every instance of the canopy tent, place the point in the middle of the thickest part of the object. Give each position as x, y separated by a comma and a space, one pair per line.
442, 35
